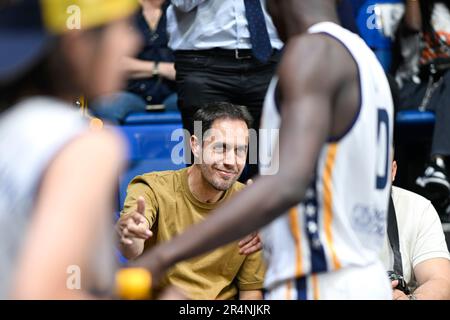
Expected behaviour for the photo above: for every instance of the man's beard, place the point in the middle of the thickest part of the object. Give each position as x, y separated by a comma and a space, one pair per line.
223, 185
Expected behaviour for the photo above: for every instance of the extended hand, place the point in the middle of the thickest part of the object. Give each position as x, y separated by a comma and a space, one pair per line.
134, 225
250, 244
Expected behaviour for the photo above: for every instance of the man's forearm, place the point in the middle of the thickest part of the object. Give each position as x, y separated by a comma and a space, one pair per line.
436, 289
134, 250
250, 295
141, 69
138, 69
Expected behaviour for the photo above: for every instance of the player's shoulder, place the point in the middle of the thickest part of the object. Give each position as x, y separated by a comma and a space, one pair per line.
314, 45
308, 57
308, 43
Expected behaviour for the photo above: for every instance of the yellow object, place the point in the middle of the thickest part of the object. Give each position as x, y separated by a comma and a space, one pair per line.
134, 283
96, 124
64, 15
170, 208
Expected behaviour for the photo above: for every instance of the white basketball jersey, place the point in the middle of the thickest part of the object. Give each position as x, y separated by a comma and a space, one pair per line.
342, 221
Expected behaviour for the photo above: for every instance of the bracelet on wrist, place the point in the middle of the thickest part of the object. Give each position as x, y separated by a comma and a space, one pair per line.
155, 71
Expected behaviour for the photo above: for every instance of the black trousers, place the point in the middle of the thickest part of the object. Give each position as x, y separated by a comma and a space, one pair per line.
410, 97
219, 76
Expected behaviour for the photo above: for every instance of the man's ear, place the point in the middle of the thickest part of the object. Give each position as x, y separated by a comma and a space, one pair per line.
394, 170
196, 148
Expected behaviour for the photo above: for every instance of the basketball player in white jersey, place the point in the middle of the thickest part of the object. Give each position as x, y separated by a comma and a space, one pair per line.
324, 196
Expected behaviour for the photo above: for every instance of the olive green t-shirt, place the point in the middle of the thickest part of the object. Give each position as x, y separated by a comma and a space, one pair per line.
170, 208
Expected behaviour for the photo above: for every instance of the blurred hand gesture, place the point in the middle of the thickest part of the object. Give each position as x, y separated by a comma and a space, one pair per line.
134, 225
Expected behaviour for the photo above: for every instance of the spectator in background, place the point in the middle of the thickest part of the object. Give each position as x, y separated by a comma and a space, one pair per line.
422, 72
424, 260
173, 200
57, 177
151, 73
224, 51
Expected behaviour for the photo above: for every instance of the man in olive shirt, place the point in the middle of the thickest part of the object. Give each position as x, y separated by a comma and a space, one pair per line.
168, 202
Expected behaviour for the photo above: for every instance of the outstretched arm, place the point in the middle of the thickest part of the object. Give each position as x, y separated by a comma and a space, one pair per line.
306, 117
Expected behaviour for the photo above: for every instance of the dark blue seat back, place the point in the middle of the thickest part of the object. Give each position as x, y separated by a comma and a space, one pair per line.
152, 138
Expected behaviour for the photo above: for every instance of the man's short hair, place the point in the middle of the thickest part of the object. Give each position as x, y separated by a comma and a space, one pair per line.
211, 112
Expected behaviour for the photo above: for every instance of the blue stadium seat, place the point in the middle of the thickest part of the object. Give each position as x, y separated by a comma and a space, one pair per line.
414, 126
370, 26
415, 117
150, 142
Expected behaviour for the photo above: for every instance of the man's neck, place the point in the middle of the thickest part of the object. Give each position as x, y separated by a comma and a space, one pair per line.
200, 188
149, 5
306, 14
302, 26
152, 13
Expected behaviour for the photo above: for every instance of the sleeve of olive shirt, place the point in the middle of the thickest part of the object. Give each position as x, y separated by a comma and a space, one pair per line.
138, 187
251, 274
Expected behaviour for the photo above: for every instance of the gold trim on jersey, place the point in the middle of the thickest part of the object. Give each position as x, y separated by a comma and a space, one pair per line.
315, 286
328, 202
288, 290
296, 234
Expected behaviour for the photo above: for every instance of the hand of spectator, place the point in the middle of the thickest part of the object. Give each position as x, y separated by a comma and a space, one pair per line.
397, 294
134, 225
250, 244
167, 70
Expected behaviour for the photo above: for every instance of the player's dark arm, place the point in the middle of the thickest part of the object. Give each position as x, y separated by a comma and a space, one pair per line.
307, 90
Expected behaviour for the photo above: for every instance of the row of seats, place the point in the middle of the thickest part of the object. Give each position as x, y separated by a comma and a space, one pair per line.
150, 140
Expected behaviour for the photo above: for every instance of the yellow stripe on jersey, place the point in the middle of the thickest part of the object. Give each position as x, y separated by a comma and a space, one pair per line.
295, 230
328, 201
315, 286
288, 290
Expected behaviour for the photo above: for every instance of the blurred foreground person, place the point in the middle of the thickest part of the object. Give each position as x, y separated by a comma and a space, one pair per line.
58, 176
